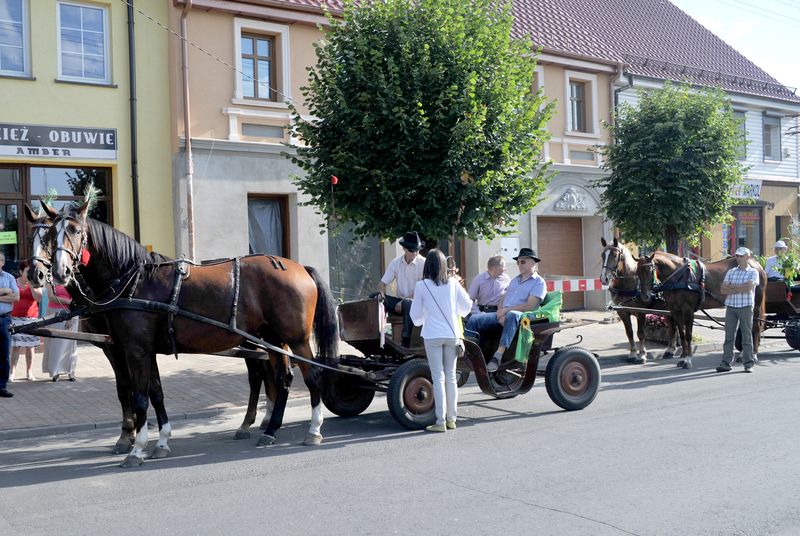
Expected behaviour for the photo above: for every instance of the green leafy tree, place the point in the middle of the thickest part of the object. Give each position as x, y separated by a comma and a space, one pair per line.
674, 164
425, 112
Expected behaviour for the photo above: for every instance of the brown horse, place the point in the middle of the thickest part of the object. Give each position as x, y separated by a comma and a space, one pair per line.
94, 278
682, 303
274, 299
619, 274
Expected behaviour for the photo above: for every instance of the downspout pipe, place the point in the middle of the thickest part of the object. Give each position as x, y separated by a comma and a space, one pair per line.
133, 118
187, 133
617, 91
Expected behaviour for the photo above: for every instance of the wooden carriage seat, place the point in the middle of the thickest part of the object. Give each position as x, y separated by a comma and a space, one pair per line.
549, 309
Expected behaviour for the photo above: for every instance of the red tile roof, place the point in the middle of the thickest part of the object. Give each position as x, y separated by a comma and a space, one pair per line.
652, 37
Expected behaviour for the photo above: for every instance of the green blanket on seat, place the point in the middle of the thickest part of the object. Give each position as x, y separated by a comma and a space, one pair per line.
549, 311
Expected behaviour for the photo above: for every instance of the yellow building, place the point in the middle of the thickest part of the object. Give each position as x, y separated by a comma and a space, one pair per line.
66, 83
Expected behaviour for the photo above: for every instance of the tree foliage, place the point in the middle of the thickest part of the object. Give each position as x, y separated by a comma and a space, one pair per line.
674, 164
424, 110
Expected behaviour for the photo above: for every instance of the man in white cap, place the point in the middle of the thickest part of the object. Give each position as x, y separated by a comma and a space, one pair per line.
773, 263
739, 288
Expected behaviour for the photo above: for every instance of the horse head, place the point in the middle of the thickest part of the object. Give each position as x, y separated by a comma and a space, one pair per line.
612, 258
39, 269
647, 275
66, 240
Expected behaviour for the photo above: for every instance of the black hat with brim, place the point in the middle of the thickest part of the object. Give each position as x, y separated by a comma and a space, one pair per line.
411, 241
527, 252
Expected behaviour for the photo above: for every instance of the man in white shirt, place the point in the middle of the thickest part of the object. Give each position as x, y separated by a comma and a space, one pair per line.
773, 263
406, 270
739, 288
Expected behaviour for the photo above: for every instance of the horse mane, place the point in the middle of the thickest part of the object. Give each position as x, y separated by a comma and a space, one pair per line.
119, 249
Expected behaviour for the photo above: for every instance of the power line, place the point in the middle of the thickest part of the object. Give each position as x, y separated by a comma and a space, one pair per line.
761, 12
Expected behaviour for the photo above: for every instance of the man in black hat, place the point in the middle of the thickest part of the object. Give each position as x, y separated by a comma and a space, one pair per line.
524, 293
406, 270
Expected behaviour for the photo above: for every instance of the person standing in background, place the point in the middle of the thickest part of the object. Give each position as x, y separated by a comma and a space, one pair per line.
9, 295
60, 355
25, 311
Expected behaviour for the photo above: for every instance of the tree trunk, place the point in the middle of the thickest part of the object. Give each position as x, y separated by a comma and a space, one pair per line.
671, 237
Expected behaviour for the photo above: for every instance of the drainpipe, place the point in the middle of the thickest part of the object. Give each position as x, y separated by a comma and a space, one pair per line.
134, 131
187, 131
617, 91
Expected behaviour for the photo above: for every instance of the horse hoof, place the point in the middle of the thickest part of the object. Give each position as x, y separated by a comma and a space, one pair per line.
123, 447
687, 365
131, 461
668, 355
312, 440
640, 360
680, 363
160, 453
265, 441
242, 433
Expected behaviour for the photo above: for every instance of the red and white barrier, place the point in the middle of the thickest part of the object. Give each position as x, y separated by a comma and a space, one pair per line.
574, 285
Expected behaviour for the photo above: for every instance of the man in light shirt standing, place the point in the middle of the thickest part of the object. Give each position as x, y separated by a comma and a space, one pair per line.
488, 288
739, 288
406, 270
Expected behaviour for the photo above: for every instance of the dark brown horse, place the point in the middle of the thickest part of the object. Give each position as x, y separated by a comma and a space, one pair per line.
95, 278
619, 274
275, 299
664, 268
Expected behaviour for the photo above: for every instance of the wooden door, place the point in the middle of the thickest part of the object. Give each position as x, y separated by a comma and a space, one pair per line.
561, 250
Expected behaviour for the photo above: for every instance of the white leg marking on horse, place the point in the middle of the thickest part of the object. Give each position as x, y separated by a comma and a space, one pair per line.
140, 443
164, 435
269, 407
316, 420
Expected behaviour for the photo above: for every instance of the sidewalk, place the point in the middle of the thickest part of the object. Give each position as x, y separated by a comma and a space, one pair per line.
199, 386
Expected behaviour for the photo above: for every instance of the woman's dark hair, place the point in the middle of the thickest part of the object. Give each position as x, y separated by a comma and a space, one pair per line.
24, 265
435, 267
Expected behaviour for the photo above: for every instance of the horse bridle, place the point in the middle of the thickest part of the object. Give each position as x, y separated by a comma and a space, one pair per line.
615, 271
41, 230
76, 257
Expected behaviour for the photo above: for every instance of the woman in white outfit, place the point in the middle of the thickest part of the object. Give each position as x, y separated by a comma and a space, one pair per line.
439, 303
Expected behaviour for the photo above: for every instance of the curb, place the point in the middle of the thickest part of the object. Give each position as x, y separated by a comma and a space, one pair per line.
61, 429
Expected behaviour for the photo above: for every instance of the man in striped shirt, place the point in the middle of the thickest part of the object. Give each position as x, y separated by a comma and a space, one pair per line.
739, 288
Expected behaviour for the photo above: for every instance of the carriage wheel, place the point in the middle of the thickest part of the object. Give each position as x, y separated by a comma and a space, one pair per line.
410, 395
572, 378
462, 377
345, 395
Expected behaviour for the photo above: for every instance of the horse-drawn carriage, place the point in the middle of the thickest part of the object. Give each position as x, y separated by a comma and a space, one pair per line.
783, 312
264, 308
572, 375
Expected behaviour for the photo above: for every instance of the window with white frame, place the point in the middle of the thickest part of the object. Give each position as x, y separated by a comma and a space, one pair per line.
14, 37
581, 99
262, 62
741, 149
83, 43
772, 138
577, 106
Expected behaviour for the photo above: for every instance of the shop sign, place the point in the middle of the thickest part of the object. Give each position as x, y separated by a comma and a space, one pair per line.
8, 237
749, 189
41, 141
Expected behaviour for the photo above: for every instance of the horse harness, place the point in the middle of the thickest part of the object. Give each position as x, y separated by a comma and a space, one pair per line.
122, 289
690, 276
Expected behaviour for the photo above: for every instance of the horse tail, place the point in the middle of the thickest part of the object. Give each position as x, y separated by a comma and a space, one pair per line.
326, 328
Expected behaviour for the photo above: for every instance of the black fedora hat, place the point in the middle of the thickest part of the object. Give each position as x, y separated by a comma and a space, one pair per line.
411, 241
528, 252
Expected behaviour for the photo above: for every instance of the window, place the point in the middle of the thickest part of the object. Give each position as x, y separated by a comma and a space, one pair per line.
258, 67
783, 228
741, 117
83, 43
747, 229
772, 138
577, 104
262, 61
267, 225
355, 263
13, 37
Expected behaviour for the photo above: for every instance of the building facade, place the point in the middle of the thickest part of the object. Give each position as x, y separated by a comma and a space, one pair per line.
66, 119
244, 60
